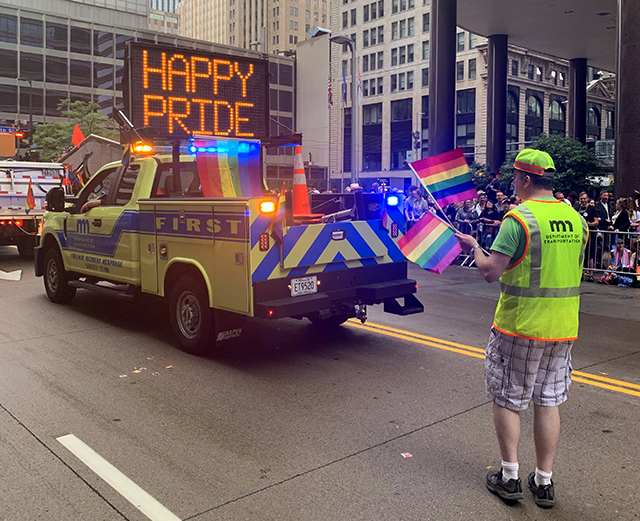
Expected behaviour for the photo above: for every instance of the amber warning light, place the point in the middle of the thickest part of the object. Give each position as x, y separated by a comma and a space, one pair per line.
181, 92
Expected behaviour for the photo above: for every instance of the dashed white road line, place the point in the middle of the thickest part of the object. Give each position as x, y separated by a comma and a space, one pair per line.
140, 499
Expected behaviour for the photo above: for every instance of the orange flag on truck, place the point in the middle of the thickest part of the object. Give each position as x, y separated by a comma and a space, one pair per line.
78, 136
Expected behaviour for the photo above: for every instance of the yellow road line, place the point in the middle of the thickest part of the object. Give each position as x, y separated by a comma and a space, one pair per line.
417, 335
578, 376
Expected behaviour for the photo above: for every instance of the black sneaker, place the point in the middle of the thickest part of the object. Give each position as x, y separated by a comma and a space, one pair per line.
542, 494
510, 490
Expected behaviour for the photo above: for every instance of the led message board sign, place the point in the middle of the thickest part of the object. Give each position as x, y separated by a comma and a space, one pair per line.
180, 92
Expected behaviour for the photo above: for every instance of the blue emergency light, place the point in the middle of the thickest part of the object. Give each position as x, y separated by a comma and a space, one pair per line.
393, 200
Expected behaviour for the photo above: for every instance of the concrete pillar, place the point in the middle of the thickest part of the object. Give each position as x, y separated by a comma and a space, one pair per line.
497, 101
442, 77
578, 99
627, 116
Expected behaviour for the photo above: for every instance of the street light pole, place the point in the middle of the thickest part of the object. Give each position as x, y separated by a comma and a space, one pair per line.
30, 112
345, 40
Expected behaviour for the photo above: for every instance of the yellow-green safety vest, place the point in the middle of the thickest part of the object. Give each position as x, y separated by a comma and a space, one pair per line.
540, 292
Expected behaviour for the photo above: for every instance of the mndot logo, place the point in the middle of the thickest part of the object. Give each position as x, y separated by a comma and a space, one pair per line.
555, 226
82, 226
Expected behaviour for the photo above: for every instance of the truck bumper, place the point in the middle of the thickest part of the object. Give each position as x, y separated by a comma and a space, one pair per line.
367, 285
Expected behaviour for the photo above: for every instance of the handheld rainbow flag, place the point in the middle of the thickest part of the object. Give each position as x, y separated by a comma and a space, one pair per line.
126, 156
31, 202
277, 225
446, 177
430, 243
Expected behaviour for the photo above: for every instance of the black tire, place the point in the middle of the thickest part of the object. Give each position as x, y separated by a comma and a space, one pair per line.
330, 322
26, 246
56, 278
190, 316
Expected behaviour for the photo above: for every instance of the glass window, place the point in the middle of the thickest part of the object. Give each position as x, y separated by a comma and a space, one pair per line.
286, 75
425, 22
473, 41
365, 88
401, 81
394, 31
31, 66
403, 28
538, 73
512, 103
354, 17
394, 6
102, 76
372, 87
372, 114
409, 53
373, 11
56, 70
466, 101
403, 5
8, 29
514, 67
373, 36
119, 75
425, 77
365, 13
472, 69
365, 38
530, 72
380, 81
9, 98
555, 111
365, 63
53, 99
403, 55
460, 71
381, 34
409, 80
593, 117
273, 99
380, 60
461, 41
380, 8
394, 83
273, 73
56, 36
80, 73
394, 57
103, 44
30, 32
401, 109
533, 107
372, 61
425, 50
285, 103
31, 101
345, 19
80, 40
410, 26
121, 39
8, 63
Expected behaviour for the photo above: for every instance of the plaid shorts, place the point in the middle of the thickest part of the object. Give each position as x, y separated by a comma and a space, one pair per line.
518, 369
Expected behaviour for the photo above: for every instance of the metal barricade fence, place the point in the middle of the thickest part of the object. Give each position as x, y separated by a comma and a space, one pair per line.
604, 250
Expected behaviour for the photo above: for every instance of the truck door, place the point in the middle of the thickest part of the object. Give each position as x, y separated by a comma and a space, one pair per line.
104, 241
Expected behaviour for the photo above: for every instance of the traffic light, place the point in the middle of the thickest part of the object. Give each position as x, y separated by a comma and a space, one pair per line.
416, 139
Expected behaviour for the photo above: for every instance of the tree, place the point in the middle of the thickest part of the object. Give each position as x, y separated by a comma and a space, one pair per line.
577, 166
55, 137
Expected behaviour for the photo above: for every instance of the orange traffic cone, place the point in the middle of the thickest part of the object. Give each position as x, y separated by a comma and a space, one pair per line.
301, 208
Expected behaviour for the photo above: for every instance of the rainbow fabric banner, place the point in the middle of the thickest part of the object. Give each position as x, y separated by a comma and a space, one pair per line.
277, 225
228, 168
430, 243
446, 177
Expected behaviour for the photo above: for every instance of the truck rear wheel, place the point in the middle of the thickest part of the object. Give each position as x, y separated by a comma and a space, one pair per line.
56, 278
190, 316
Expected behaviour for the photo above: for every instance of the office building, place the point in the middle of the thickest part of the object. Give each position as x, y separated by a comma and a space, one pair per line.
270, 27
164, 22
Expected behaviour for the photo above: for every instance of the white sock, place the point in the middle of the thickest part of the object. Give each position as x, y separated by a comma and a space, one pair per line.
542, 478
509, 470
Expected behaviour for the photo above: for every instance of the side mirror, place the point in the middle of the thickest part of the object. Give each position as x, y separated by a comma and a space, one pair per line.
55, 200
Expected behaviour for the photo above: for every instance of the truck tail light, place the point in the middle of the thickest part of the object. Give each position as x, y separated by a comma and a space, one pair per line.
267, 207
1, 223
264, 241
18, 223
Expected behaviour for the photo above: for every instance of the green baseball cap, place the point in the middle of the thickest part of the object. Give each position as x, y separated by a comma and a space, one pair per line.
534, 161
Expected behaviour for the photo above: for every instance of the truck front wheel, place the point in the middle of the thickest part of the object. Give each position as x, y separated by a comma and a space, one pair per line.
56, 278
190, 315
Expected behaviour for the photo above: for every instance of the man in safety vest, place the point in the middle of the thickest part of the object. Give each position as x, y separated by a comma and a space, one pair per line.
538, 257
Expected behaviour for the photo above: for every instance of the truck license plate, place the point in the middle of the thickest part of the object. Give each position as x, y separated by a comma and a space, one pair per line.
304, 286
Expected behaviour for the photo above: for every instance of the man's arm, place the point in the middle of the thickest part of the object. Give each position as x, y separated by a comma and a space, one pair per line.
490, 267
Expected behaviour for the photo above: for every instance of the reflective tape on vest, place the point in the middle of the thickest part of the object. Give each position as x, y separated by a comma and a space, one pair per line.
538, 292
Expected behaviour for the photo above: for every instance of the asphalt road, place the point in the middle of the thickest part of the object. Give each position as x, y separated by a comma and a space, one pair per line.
293, 423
